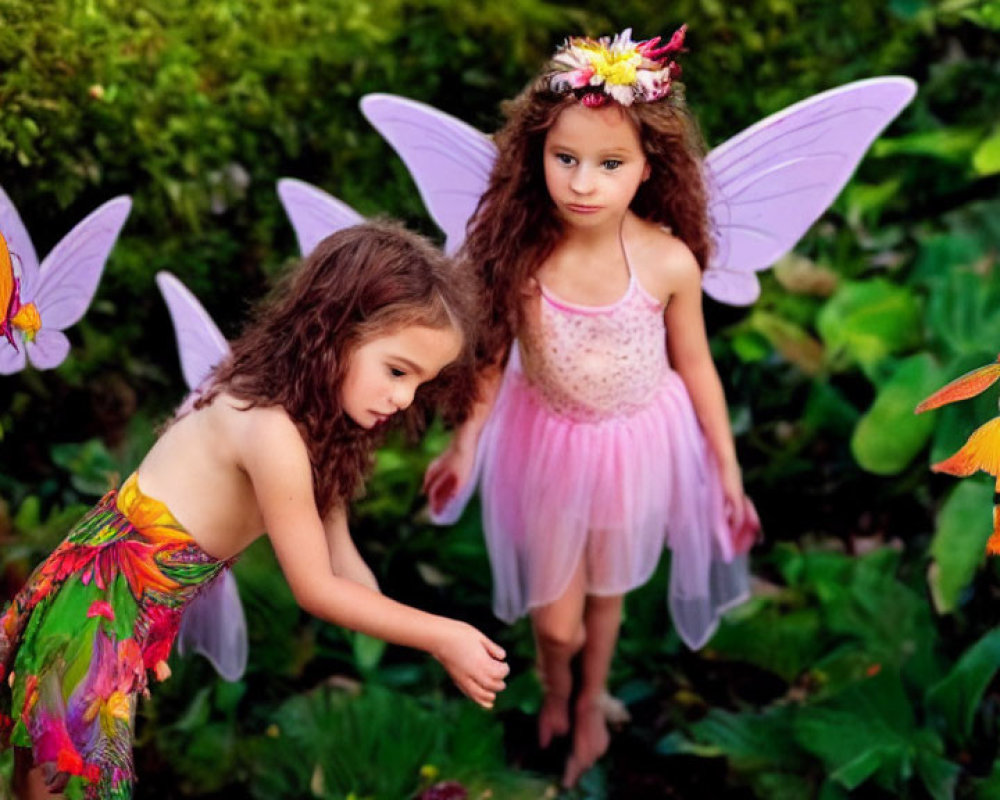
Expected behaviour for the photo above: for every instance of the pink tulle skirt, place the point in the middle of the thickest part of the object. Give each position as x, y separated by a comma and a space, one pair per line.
613, 493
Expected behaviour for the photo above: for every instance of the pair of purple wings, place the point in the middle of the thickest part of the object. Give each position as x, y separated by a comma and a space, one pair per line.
767, 186
60, 287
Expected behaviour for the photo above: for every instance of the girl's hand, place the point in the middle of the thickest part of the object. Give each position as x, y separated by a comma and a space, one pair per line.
475, 663
447, 473
744, 524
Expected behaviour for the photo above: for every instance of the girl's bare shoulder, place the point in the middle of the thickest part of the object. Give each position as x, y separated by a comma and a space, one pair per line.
662, 262
258, 432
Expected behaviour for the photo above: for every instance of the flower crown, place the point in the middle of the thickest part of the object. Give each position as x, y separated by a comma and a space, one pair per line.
617, 69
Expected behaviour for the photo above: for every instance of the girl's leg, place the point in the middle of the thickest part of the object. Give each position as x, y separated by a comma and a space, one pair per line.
559, 636
602, 619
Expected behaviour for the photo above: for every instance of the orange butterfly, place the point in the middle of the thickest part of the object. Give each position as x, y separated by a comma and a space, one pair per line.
23, 317
982, 450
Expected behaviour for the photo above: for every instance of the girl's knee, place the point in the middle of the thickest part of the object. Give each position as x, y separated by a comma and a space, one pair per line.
565, 638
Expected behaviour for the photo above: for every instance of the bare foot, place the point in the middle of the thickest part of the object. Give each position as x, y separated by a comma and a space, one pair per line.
590, 741
615, 712
553, 719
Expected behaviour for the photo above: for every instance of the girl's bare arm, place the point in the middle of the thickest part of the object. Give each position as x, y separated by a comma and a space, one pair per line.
275, 458
690, 356
345, 560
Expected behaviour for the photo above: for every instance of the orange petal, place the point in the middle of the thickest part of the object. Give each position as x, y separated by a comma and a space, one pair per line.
981, 451
993, 544
969, 385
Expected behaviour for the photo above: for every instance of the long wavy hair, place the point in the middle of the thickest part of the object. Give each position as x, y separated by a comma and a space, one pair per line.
515, 227
363, 282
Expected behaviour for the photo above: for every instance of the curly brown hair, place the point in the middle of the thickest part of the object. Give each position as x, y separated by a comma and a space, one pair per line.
515, 228
363, 282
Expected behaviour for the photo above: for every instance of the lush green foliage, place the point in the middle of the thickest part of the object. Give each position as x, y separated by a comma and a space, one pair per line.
866, 662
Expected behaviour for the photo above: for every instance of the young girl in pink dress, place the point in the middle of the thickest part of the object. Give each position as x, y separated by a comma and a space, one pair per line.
279, 440
606, 437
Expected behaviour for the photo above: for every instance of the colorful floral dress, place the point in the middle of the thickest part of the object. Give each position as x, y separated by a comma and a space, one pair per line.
76, 642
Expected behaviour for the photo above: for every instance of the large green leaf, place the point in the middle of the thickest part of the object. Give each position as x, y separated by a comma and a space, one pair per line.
963, 311
889, 435
937, 773
863, 732
781, 641
986, 159
865, 322
989, 788
958, 546
752, 741
954, 700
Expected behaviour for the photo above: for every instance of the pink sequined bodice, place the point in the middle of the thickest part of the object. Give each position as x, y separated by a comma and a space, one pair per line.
594, 362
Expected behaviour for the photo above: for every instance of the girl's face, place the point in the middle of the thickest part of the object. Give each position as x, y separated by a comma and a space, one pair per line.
383, 372
593, 164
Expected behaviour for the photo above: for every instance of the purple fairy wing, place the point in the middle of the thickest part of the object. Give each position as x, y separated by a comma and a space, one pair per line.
68, 278
199, 343
215, 626
768, 184
214, 623
314, 214
18, 240
449, 160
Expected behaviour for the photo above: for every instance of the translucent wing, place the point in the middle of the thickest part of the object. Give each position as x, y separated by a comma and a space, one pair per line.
215, 626
199, 343
768, 184
314, 214
214, 623
449, 160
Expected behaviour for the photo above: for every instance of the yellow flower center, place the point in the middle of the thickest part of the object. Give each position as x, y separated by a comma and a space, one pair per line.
27, 320
616, 69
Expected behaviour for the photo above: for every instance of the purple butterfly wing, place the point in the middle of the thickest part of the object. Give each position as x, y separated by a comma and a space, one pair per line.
214, 623
18, 241
11, 360
68, 276
770, 183
48, 349
314, 214
25, 263
449, 160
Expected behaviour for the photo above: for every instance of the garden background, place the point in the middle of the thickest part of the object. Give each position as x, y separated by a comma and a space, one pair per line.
865, 664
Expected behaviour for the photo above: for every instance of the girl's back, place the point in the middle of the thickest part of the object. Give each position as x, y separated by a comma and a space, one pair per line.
197, 470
